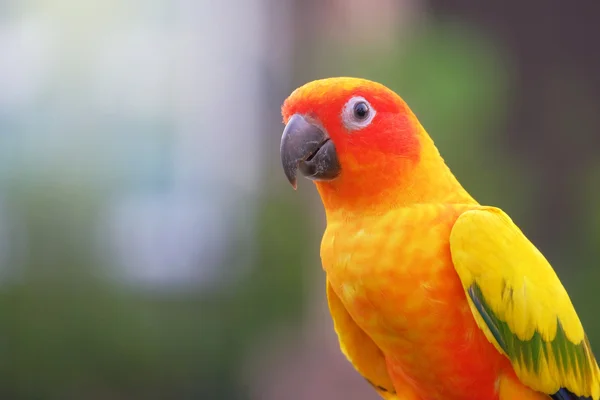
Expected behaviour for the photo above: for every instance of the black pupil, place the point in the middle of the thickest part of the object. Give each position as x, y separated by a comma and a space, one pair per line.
361, 110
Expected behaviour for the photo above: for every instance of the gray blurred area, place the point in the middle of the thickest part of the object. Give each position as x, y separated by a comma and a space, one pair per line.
150, 246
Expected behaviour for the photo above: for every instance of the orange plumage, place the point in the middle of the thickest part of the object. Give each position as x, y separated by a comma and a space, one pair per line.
411, 302
412, 312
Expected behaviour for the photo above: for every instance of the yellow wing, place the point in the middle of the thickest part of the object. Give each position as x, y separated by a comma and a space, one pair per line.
521, 305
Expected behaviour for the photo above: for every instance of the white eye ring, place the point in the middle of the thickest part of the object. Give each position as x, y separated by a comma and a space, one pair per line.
357, 113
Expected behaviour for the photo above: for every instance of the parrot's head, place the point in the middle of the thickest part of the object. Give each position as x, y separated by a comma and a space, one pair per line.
363, 146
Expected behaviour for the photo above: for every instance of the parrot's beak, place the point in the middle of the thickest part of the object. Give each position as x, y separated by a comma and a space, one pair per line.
305, 146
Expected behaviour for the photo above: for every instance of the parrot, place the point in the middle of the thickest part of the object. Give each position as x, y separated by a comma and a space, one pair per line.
432, 295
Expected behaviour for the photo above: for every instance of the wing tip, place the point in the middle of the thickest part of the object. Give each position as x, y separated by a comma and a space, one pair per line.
565, 394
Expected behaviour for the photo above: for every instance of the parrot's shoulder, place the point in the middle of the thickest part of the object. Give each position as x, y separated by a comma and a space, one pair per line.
426, 212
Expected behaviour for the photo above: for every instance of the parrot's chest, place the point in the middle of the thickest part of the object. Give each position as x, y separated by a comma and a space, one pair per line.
396, 279
395, 272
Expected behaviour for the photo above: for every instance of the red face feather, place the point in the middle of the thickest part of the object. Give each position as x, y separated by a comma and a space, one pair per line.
389, 161
391, 133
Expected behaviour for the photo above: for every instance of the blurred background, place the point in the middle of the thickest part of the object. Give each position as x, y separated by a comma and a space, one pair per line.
150, 245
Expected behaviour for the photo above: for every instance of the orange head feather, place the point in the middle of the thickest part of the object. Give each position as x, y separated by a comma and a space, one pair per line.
385, 157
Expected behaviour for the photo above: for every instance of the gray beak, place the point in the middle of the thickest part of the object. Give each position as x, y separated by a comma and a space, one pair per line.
306, 147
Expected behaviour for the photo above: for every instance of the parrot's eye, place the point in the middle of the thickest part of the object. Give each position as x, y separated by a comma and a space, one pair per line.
357, 113
361, 110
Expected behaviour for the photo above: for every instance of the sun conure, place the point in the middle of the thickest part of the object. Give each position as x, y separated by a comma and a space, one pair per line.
433, 296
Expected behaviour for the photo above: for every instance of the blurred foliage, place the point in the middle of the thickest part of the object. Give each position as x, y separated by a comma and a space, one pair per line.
68, 332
